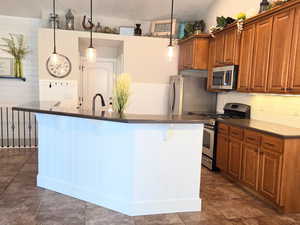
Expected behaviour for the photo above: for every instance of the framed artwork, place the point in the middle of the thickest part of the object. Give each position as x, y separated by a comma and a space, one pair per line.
129, 31
6, 67
162, 27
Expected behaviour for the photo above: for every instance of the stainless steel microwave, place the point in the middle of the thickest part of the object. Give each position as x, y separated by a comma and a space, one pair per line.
225, 77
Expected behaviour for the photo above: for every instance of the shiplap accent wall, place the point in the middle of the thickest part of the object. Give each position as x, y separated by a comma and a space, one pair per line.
16, 91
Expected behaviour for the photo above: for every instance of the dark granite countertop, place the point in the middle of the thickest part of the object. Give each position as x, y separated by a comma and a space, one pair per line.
265, 127
49, 108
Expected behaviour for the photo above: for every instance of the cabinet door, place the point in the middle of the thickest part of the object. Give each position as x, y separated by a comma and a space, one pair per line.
189, 55
220, 41
269, 174
234, 158
280, 51
250, 166
230, 44
222, 152
181, 57
201, 54
246, 58
211, 61
294, 71
260, 66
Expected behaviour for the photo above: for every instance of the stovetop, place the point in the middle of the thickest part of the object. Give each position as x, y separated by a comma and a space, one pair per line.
212, 117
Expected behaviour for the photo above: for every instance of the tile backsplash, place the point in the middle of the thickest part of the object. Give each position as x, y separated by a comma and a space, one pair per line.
281, 109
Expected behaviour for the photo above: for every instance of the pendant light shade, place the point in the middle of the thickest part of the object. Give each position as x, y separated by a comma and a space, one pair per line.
171, 47
54, 57
91, 53
170, 52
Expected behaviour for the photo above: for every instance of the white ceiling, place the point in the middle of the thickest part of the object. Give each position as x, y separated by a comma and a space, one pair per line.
129, 9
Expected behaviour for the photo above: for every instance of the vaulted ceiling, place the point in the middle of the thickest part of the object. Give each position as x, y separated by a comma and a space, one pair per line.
129, 9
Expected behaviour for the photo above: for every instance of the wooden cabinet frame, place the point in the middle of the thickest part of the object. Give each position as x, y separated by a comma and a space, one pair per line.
266, 165
269, 55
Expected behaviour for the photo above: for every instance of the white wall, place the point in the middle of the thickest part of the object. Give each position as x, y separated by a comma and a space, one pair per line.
230, 8
145, 59
15, 91
280, 109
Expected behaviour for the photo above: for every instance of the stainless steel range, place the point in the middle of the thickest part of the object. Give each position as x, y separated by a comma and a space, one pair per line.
231, 110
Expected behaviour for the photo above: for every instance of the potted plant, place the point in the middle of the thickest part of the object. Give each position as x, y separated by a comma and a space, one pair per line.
121, 92
15, 46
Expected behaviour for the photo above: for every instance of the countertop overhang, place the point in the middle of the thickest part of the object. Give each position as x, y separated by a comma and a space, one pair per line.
50, 108
279, 130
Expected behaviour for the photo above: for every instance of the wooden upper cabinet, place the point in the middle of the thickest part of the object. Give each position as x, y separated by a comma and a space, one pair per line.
230, 46
226, 47
270, 170
189, 54
294, 71
211, 61
220, 44
193, 52
280, 51
246, 58
260, 69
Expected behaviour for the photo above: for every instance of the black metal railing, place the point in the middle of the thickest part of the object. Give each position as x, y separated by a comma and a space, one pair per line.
18, 129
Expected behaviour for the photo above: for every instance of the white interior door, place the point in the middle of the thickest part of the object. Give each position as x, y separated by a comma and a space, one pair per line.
98, 78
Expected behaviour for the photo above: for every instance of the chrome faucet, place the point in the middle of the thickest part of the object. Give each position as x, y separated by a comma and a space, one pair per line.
94, 101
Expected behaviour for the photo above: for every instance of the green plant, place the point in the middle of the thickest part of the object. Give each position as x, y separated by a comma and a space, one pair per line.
15, 46
121, 92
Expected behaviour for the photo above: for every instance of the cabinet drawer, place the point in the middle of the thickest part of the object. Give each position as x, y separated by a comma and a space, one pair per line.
223, 128
252, 137
272, 143
236, 132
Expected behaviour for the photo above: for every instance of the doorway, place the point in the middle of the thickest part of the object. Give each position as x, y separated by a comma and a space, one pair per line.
97, 78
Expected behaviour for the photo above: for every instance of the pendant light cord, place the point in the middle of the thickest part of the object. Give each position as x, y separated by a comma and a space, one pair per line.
91, 19
171, 30
54, 28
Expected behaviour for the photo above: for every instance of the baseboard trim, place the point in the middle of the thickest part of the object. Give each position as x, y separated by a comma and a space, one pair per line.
125, 206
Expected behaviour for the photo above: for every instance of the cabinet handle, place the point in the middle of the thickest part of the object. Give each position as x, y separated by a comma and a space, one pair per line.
289, 89
270, 145
235, 133
251, 139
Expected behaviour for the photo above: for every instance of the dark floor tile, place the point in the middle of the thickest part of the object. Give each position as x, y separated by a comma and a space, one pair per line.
198, 217
223, 192
97, 215
161, 219
272, 220
23, 203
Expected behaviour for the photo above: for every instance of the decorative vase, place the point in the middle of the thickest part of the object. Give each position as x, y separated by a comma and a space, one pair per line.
264, 5
199, 27
18, 68
69, 20
138, 30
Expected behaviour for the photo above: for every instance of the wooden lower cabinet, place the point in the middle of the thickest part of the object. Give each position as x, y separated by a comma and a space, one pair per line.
266, 165
234, 158
250, 166
270, 174
222, 154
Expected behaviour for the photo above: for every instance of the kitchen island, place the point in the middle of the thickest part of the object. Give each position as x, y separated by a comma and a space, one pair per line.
134, 164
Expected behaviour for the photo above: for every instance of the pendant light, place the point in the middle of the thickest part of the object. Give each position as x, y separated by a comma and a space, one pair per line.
54, 57
171, 47
91, 53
